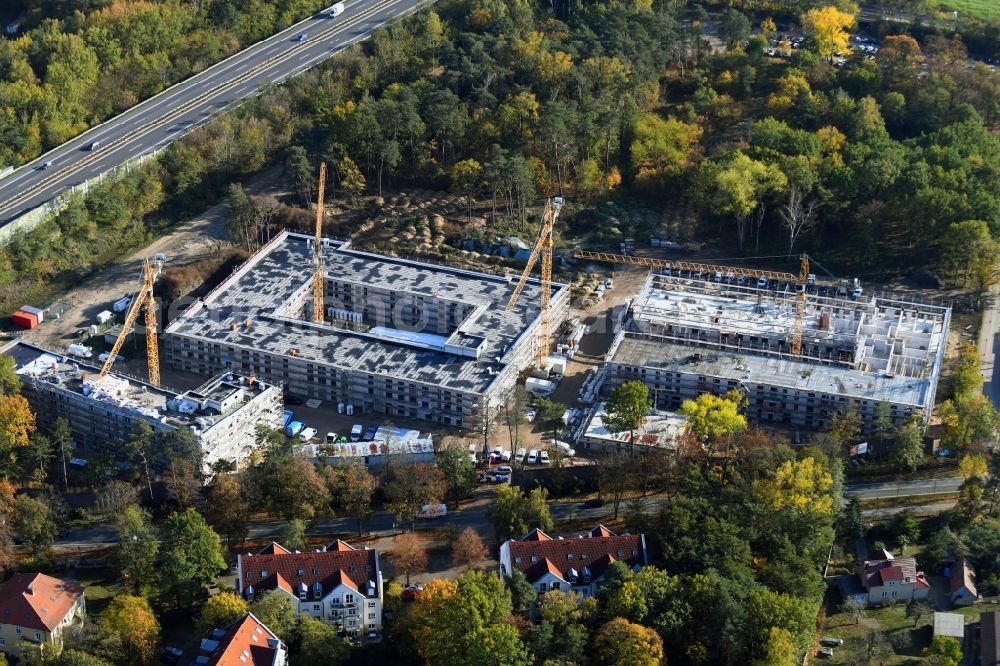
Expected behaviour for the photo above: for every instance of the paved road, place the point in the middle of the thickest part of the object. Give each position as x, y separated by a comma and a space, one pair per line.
382, 524
989, 347
867, 491
161, 119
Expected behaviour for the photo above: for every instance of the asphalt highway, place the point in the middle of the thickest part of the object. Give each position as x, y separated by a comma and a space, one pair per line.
163, 118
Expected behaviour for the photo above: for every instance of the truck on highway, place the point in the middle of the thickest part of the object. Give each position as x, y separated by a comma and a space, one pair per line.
336, 10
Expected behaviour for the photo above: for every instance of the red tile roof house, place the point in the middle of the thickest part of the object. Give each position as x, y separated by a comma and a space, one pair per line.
894, 580
555, 563
245, 642
339, 585
37, 608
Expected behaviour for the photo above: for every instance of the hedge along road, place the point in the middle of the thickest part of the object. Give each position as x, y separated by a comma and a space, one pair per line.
156, 122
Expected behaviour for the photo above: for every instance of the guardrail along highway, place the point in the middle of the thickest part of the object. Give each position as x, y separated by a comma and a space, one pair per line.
154, 123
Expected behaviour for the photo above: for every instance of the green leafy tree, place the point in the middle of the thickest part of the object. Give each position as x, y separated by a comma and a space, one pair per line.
908, 448
227, 510
734, 28
353, 487
299, 173
459, 473
621, 643
944, 651
462, 622
413, 486
966, 379
662, 148
192, 555
277, 611
294, 535
138, 548
219, 611
10, 383
737, 185
906, 527
779, 650
513, 514
78, 658
627, 408
522, 593
33, 520
319, 644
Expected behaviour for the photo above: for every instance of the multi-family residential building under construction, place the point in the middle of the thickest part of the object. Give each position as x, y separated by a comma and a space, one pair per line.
691, 332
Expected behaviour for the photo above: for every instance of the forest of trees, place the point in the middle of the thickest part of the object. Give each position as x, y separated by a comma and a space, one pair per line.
74, 63
877, 167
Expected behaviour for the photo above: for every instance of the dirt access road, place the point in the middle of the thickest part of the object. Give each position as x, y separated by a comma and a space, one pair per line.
189, 241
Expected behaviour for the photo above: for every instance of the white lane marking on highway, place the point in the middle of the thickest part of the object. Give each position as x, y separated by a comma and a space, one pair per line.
228, 103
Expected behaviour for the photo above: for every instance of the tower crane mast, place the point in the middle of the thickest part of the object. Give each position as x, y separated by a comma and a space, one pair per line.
143, 300
318, 250
543, 251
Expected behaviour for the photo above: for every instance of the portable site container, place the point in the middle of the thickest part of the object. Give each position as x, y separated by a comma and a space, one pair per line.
24, 319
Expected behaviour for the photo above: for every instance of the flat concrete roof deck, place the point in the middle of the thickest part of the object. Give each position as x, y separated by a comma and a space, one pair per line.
282, 272
770, 370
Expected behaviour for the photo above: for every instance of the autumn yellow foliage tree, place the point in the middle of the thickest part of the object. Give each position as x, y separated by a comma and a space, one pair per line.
972, 466
662, 147
621, 642
829, 27
17, 422
803, 485
711, 417
131, 619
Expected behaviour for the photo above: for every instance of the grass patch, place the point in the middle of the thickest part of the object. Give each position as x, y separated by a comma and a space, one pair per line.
981, 9
101, 585
900, 640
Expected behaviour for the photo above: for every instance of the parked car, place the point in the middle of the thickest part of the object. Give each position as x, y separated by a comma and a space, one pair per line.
505, 455
171, 654
331, 438
544, 457
412, 591
945, 453
520, 453
530, 415
532, 457
356, 432
501, 478
307, 434
830, 640
106, 355
826, 652
504, 469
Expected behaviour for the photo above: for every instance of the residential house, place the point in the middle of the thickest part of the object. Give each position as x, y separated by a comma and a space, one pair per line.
555, 563
339, 584
989, 639
245, 642
963, 583
37, 608
894, 580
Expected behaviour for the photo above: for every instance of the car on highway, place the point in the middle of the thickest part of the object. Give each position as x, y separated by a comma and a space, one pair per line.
45, 165
303, 37
94, 145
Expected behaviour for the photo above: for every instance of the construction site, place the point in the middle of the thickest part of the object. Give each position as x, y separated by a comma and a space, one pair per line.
104, 410
799, 356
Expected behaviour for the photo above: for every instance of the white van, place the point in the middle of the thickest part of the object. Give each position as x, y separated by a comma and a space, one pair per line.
307, 434
428, 511
356, 432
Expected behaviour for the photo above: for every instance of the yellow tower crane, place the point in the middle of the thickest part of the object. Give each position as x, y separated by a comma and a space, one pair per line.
708, 269
543, 249
318, 250
143, 300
